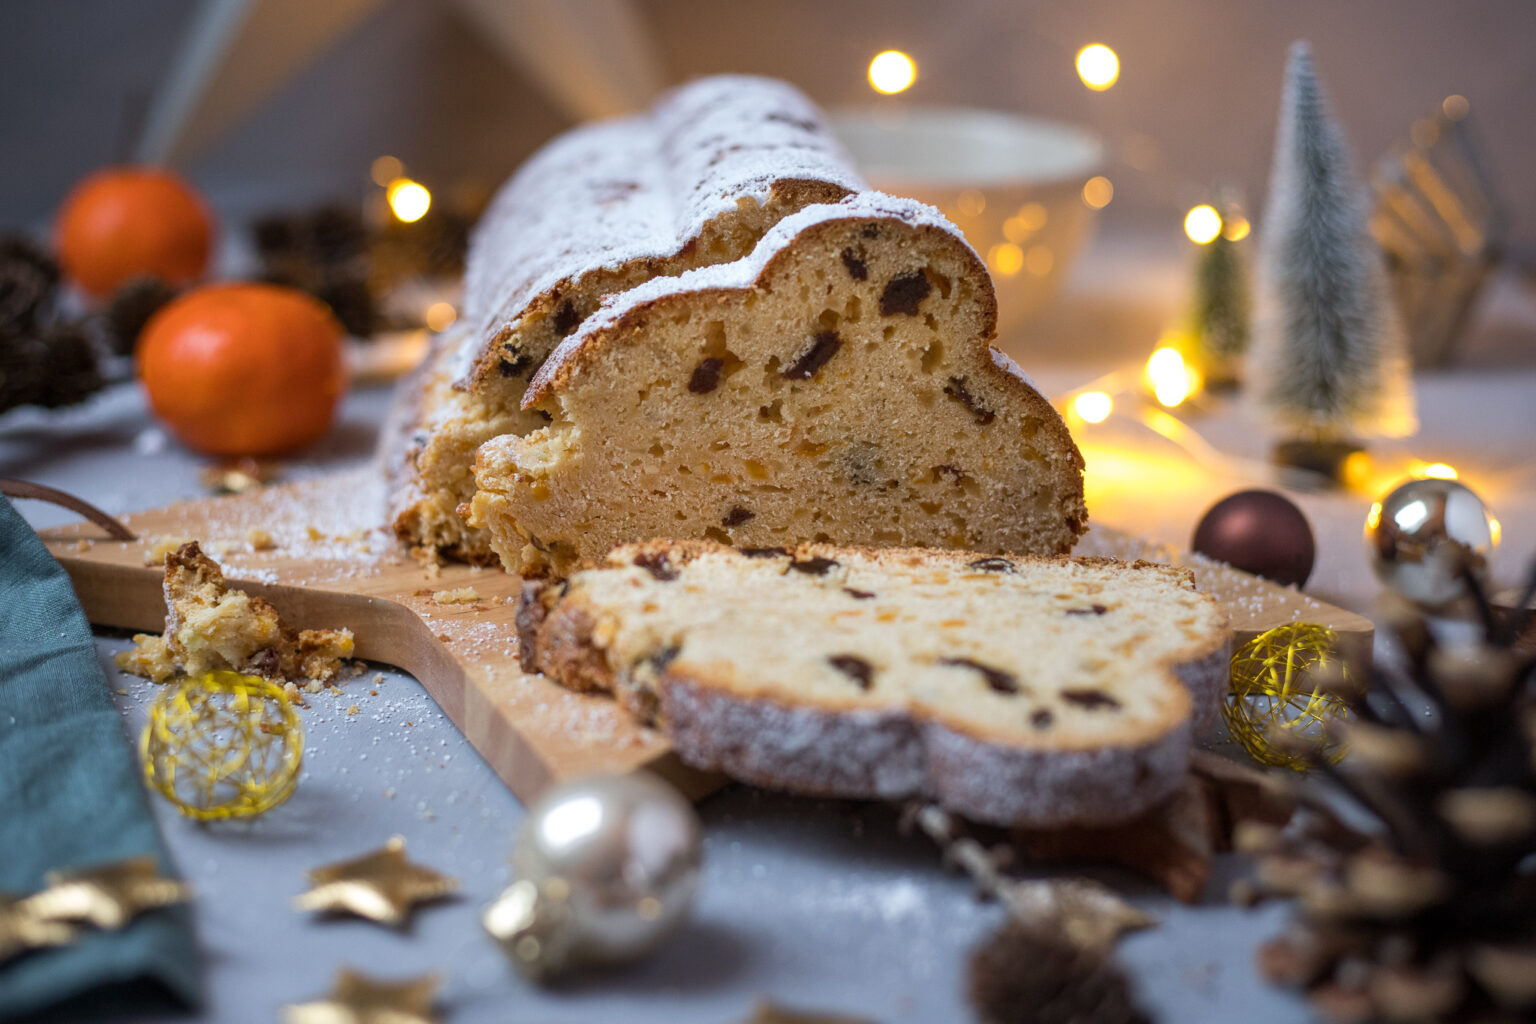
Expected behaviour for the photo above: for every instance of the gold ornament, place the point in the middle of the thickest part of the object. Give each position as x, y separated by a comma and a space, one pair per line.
107, 896
358, 999
1274, 708
223, 745
382, 886
20, 930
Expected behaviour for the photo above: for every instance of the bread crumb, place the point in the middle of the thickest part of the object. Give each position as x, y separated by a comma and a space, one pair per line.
378, 677
82, 545
161, 546
313, 533
259, 539
354, 709
460, 595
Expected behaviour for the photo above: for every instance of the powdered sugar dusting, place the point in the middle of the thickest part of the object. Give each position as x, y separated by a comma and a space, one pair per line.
615, 192
743, 272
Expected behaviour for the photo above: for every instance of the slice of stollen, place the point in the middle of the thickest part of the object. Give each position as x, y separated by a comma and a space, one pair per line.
1014, 690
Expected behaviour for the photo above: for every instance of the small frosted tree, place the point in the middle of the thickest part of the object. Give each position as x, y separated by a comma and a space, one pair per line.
1328, 348
1221, 318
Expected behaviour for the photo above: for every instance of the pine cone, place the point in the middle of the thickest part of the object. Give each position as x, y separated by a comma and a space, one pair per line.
21, 370
1025, 974
28, 279
352, 303
130, 309
1431, 915
337, 236
70, 371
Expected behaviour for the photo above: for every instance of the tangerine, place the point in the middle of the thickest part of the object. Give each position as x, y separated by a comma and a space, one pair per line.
124, 222
244, 369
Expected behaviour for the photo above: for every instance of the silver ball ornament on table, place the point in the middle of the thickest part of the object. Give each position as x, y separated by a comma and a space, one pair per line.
1422, 535
606, 868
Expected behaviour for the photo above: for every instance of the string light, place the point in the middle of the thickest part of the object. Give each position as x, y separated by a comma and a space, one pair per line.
1098, 66
408, 200
440, 316
891, 72
1236, 228
1171, 379
1202, 224
1093, 406
1098, 191
1006, 259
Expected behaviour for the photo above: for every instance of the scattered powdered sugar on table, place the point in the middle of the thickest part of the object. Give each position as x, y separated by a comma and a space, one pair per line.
889, 900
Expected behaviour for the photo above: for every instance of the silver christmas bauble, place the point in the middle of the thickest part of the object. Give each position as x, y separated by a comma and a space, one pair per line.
1421, 536
606, 867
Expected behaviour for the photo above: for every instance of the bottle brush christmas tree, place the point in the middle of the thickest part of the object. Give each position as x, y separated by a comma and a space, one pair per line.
1220, 320
1329, 352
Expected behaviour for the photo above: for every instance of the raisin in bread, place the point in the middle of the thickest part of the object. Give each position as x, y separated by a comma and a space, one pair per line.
210, 625
837, 386
694, 181
1018, 690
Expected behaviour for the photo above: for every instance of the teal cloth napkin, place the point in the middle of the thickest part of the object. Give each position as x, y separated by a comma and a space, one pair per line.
71, 797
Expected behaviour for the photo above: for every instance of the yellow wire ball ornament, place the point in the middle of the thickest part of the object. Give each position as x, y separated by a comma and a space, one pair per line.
223, 745
1273, 708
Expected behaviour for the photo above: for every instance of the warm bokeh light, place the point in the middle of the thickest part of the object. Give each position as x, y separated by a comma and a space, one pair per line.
385, 170
1357, 470
1456, 107
1202, 224
1171, 379
892, 71
1236, 228
408, 200
1420, 470
1097, 66
1030, 218
1495, 531
1098, 191
1373, 517
1006, 259
1093, 406
440, 316
971, 202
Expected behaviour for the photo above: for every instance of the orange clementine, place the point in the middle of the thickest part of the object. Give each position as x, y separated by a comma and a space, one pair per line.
244, 369
123, 222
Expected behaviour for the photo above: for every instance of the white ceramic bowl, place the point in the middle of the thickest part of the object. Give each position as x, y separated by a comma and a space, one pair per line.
1013, 184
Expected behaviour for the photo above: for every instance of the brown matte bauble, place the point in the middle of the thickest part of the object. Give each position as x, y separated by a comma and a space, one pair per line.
1259, 532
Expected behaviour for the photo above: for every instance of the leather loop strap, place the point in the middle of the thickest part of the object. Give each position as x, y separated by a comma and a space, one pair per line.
26, 489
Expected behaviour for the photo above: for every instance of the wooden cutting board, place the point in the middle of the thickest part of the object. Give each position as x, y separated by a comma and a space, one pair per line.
332, 567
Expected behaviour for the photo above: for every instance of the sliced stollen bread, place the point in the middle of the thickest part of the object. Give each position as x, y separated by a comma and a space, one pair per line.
1014, 690
693, 181
835, 386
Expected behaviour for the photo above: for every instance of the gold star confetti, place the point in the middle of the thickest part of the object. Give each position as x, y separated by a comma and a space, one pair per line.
358, 999
20, 931
107, 896
382, 886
